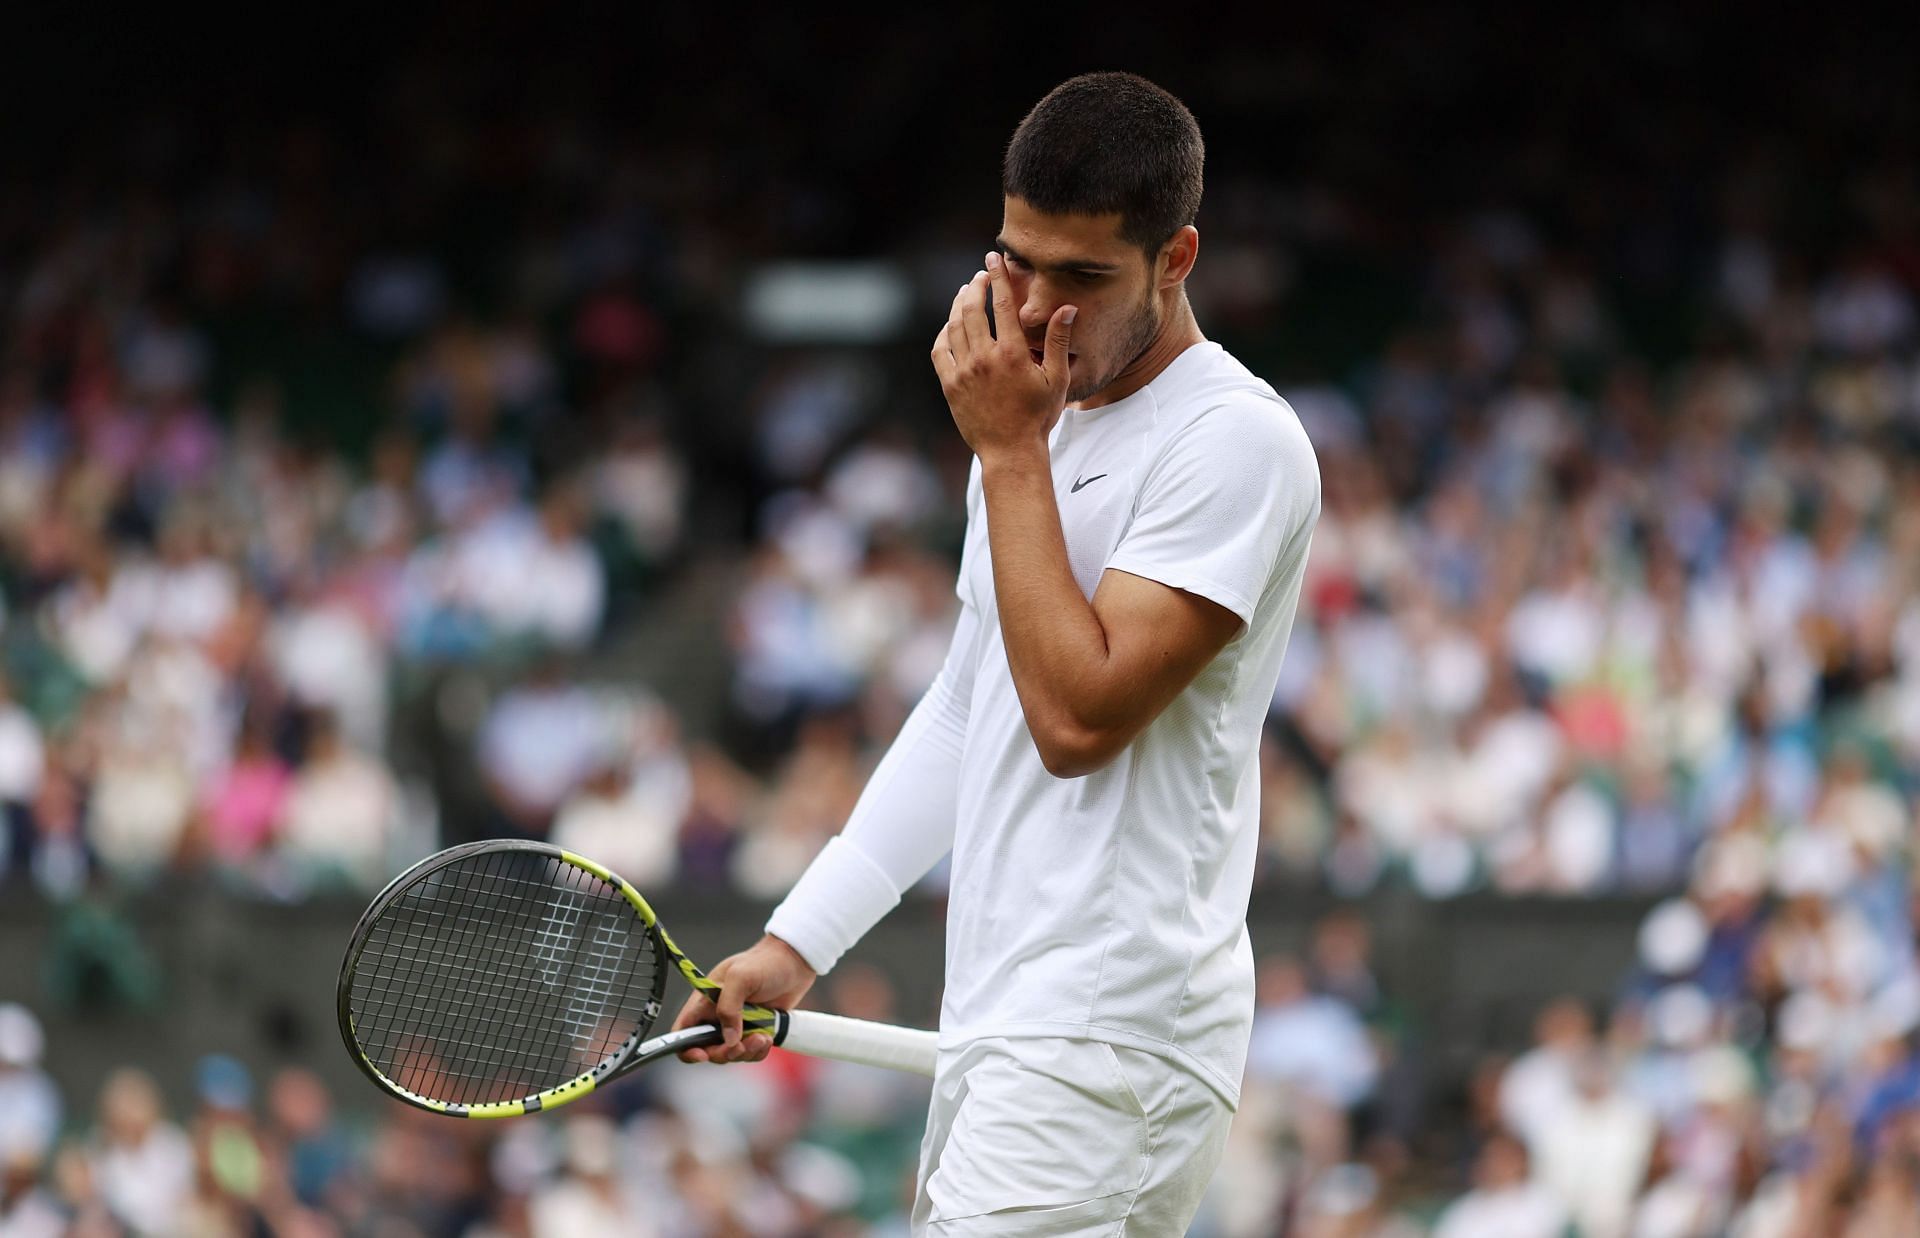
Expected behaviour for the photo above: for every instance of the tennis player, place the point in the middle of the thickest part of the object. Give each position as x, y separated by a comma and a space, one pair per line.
1138, 517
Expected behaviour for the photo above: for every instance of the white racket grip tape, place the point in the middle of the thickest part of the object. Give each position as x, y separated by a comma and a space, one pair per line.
857, 1040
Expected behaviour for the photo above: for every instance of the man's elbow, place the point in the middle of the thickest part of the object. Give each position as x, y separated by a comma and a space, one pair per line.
1074, 751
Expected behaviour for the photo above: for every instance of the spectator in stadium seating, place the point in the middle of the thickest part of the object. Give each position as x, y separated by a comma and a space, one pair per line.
1705, 1147
540, 739
1594, 1157
101, 610
144, 1163
787, 663
587, 1200
1655, 844
1394, 786
721, 799
1538, 1090
884, 483
384, 509
233, 1187
561, 586
1316, 1048
342, 813
605, 819
30, 1104
469, 470
22, 764
142, 792
77, 1191
1340, 962
195, 588
640, 485
812, 793
1885, 1064
1578, 838
63, 859
1863, 309
243, 805
419, 1178
326, 655
1504, 1201
308, 1146
28, 1209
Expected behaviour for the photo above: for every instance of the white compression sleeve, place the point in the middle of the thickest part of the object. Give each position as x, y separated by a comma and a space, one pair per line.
901, 826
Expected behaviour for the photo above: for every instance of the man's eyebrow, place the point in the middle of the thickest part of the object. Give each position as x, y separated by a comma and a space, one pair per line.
1062, 265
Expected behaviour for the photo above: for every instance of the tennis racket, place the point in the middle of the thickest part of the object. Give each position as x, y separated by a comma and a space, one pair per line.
501, 978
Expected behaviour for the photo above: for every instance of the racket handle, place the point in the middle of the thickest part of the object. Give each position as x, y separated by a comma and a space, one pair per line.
857, 1040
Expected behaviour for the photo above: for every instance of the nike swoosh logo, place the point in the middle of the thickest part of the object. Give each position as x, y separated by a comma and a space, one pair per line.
1086, 482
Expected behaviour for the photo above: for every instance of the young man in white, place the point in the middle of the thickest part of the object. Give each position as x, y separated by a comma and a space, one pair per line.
1138, 519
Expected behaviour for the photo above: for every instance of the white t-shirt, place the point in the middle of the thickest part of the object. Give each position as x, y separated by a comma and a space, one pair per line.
1112, 906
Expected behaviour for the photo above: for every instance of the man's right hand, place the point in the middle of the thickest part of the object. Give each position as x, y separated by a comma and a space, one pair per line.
771, 974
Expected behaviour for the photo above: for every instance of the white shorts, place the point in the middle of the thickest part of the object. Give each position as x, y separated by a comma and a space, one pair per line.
1033, 1137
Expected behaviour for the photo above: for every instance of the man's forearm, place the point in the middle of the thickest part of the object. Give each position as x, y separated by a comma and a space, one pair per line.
1057, 649
900, 827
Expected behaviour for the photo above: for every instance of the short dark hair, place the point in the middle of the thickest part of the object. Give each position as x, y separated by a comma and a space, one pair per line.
1109, 143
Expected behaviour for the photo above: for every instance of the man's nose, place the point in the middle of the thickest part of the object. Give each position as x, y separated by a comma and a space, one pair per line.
1036, 310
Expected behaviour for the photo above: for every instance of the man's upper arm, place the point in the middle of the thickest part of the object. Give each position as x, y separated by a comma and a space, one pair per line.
1158, 639
1216, 511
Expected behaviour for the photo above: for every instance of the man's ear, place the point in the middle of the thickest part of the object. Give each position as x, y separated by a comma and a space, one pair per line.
1177, 257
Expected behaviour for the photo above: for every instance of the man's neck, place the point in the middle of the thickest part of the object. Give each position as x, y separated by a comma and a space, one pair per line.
1178, 332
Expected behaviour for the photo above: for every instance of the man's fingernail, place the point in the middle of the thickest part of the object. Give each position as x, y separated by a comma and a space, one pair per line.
993, 261
1069, 315
733, 1036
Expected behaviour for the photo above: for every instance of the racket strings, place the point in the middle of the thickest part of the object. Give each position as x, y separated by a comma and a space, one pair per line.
501, 975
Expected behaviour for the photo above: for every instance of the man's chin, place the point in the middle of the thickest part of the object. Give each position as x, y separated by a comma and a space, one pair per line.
1078, 391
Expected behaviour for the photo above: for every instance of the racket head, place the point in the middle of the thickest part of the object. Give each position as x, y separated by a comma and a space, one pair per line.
501, 978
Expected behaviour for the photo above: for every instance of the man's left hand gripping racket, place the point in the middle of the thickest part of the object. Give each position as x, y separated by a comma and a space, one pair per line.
502, 978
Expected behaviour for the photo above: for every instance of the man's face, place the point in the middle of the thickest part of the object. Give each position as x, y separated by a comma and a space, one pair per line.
1083, 261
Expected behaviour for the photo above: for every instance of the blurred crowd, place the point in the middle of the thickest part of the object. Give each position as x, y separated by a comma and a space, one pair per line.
345, 483
1751, 1077
1616, 574
1570, 619
1757, 1075
213, 607
1567, 641
798, 1146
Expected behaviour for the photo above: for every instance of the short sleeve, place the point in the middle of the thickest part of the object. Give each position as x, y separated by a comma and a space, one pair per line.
1221, 503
